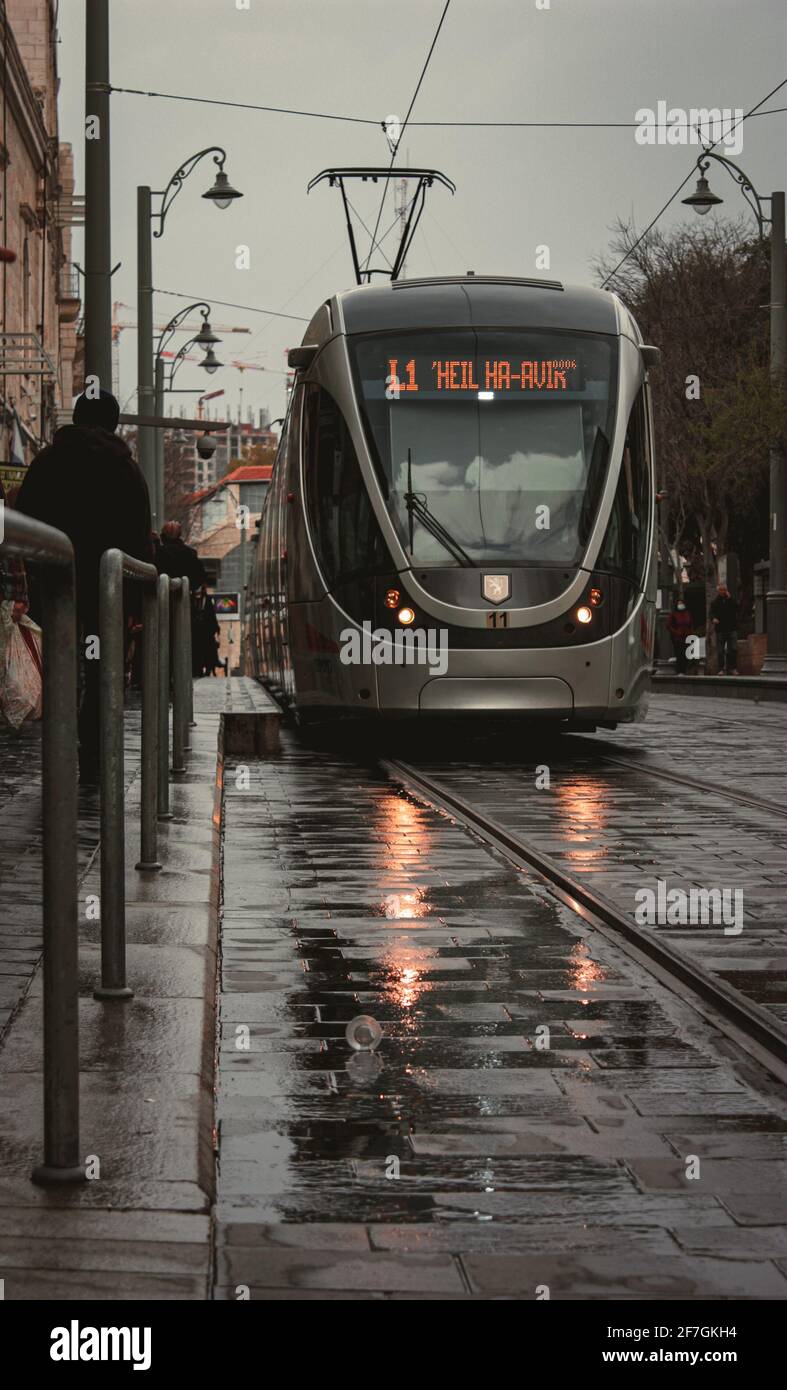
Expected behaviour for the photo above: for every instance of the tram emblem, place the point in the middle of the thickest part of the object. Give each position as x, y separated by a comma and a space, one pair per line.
496, 587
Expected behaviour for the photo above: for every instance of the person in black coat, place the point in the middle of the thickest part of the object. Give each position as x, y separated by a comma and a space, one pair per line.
181, 561
724, 616
87, 483
178, 560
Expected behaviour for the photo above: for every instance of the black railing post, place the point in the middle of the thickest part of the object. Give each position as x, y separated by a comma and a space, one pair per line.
164, 812
52, 550
115, 565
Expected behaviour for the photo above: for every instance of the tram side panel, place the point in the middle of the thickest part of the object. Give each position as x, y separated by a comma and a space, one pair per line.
317, 623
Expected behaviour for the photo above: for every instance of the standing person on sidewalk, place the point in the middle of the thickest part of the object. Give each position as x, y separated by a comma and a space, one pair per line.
724, 616
207, 634
87, 483
181, 561
680, 626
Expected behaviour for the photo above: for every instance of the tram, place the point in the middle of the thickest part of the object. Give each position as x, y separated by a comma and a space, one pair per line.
460, 520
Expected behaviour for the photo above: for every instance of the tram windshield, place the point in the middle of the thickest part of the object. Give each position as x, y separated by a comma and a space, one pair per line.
492, 447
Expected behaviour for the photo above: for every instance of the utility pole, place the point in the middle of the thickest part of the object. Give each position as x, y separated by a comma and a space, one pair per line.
775, 662
242, 595
158, 442
98, 250
146, 436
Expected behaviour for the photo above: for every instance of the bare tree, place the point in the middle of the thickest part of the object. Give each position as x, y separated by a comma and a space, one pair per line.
179, 484
700, 292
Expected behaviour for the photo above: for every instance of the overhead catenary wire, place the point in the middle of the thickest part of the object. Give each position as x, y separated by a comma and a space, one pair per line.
417, 125
400, 136
227, 304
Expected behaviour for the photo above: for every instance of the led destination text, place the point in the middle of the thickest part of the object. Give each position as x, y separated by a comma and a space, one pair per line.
496, 374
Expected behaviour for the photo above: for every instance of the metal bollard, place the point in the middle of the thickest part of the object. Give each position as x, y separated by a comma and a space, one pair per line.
164, 812
188, 676
150, 729
181, 620
113, 854
192, 720
114, 565
51, 550
61, 928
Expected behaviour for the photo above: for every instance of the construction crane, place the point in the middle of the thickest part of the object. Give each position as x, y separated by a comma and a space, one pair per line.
244, 367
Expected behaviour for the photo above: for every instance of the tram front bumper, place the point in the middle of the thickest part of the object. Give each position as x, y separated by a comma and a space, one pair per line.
545, 695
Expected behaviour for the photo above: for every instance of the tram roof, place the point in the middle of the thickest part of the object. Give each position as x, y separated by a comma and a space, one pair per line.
476, 301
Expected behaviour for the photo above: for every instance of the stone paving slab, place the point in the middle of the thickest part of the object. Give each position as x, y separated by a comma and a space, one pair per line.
620, 829
607, 1276
141, 1228
459, 1138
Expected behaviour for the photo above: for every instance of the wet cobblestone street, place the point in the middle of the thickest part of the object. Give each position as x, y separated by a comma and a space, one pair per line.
465, 1158
613, 824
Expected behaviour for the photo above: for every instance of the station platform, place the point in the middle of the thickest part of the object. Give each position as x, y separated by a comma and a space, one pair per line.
241, 1147
765, 689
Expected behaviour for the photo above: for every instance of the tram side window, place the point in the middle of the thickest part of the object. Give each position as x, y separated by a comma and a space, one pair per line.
625, 544
344, 527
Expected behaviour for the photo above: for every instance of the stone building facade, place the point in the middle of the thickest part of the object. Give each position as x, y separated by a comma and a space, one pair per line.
39, 295
216, 536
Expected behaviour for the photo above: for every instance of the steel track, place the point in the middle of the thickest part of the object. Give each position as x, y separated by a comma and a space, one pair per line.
717, 1001
760, 803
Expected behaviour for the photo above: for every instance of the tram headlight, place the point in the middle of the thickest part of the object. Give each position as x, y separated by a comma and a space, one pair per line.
584, 614
406, 616
596, 597
392, 597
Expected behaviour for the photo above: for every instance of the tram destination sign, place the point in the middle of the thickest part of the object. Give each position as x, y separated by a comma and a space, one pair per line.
465, 375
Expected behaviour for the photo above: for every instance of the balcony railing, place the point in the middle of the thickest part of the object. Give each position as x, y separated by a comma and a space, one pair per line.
69, 294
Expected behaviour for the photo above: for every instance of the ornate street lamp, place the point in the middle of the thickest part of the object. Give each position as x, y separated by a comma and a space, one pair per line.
163, 381
221, 194
702, 199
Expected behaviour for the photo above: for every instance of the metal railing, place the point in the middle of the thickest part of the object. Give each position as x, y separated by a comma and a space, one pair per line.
164, 601
114, 568
52, 550
166, 609
182, 684
68, 282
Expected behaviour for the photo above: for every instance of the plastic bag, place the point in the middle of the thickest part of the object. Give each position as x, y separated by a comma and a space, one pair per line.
20, 669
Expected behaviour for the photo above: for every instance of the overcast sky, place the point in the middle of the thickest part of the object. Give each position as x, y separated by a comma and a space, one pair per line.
495, 60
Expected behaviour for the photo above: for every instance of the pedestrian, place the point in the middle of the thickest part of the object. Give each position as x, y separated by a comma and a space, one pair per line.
178, 560
206, 634
215, 662
680, 627
13, 579
181, 561
723, 615
20, 640
87, 483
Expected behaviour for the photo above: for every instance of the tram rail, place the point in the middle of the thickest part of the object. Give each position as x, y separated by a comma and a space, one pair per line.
717, 1001
759, 803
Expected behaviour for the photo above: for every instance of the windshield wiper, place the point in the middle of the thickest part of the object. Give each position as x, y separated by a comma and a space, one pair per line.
417, 507
596, 470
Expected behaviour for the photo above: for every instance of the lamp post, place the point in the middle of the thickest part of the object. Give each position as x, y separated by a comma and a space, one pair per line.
221, 194
98, 293
702, 200
207, 339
